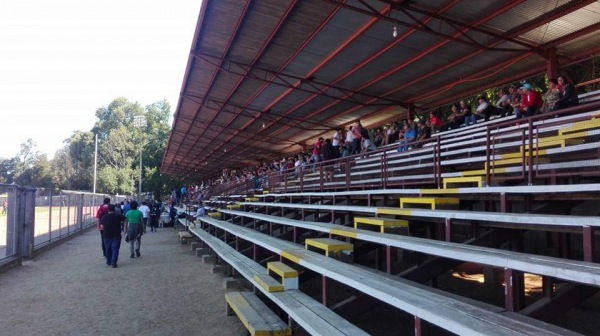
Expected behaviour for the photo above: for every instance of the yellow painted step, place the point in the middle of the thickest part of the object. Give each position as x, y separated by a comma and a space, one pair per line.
432, 201
382, 222
252, 199
233, 206
268, 283
281, 269
516, 161
328, 245
580, 126
469, 179
215, 215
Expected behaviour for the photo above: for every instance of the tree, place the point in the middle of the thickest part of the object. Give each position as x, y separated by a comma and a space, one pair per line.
73, 164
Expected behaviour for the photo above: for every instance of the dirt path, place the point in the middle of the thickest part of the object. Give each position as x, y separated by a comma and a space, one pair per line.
69, 290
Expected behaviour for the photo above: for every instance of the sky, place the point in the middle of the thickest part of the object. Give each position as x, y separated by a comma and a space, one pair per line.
61, 60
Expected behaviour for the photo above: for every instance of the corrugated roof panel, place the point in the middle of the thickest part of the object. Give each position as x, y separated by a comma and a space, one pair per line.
564, 25
523, 13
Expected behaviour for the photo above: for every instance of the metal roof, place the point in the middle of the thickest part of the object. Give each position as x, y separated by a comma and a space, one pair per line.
265, 78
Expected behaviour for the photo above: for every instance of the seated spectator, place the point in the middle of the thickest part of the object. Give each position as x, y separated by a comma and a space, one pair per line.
464, 113
410, 134
435, 121
454, 120
551, 96
515, 99
392, 133
568, 97
531, 100
201, 212
484, 110
378, 138
366, 146
423, 133
503, 104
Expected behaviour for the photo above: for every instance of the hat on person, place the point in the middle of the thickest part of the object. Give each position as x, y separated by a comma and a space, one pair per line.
481, 97
526, 86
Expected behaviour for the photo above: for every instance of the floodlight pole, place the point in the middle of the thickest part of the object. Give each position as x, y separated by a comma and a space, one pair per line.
139, 122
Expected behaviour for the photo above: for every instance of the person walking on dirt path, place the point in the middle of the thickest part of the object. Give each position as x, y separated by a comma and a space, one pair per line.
145, 213
102, 211
134, 229
112, 235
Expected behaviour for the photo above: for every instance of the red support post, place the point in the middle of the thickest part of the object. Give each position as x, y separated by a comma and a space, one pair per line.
588, 243
388, 259
418, 326
324, 290
513, 290
448, 232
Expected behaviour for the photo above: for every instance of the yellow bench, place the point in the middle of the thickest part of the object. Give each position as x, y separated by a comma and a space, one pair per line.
288, 275
519, 160
329, 245
215, 215
382, 222
433, 202
580, 126
470, 179
184, 236
265, 192
268, 283
258, 319
252, 199
233, 206
552, 143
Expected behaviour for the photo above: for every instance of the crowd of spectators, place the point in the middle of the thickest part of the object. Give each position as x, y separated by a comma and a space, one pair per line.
519, 100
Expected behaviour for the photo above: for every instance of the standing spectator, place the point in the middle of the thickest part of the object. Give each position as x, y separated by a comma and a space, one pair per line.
337, 140
102, 211
349, 141
569, 96
173, 214
155, 212
551, 97
4, 207
112, 235
316, 152
356, 137
531, 100
134, 229
145, 213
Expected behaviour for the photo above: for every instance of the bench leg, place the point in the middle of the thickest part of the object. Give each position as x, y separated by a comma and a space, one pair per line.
324, 290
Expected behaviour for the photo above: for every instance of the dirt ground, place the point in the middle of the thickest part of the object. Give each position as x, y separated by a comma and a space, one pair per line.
69, 290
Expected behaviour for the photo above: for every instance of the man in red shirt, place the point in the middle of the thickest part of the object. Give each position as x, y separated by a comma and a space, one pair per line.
102, 211
532, 100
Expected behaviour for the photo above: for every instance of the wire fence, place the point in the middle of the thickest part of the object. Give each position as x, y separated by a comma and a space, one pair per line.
31, 218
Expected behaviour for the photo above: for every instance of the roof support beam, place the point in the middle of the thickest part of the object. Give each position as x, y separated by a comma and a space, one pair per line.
424, 28
286, 80
267, 42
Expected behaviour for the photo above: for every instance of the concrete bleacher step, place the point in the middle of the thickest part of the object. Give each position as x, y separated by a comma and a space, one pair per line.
381, 222
258, 319
268, 283
329, 245
433, 202
288, 275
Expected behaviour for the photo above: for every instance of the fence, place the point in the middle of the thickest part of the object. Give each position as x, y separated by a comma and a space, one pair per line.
34, 218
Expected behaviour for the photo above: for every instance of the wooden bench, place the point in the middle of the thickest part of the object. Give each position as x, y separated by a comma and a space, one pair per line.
382, 222
184, 236
329, 245
255, 315
311, 315
268, 283
433, 202
288, 275
479, 180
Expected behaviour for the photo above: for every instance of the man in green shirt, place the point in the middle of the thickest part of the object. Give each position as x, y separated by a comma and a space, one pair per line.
134, 228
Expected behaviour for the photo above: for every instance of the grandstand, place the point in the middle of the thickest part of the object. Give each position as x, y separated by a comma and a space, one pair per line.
487, 229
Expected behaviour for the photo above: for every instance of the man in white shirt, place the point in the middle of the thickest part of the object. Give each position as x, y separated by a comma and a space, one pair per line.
482, 110
145, 213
